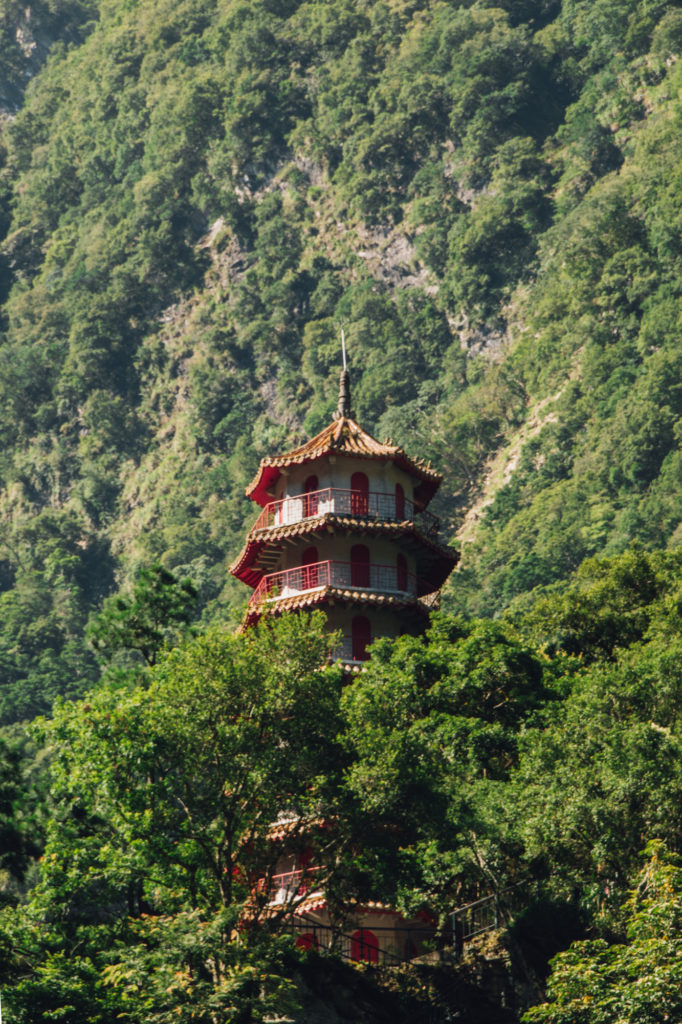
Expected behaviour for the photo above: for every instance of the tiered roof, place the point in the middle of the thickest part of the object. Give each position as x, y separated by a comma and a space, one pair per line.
308, 599
343, 437
439, 560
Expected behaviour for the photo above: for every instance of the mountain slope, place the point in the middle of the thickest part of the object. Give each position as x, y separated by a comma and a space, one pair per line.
199, 194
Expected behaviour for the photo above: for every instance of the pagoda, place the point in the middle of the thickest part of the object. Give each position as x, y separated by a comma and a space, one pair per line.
344, 527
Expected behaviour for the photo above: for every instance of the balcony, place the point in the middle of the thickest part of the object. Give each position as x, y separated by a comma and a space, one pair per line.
382, 579
340, 502
291, 884
395, 944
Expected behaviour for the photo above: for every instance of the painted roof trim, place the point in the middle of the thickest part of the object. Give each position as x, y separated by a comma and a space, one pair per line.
343, 437
244, 567
312, 598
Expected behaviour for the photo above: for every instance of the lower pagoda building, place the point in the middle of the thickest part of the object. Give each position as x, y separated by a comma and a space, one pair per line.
345, 527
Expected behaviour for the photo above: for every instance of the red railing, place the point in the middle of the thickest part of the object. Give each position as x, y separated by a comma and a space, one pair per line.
340, 502
291, 884
346, 575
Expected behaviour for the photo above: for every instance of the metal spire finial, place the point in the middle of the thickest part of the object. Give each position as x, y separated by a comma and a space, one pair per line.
343, 408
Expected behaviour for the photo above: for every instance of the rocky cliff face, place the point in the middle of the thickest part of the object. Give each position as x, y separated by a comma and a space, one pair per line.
27, 34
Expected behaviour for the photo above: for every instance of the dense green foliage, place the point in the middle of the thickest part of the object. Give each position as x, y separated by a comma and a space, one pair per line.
550, 747
640, 981
26, 34
154, 615
163, 799
195, 196
544, 749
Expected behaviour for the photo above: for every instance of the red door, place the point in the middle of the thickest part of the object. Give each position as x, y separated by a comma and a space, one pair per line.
311, 497
359, 565
307, 941
364, 945
309, 574
361, 635
359, 494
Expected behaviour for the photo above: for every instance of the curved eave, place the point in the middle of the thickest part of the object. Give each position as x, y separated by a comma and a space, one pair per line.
243, 566
261, 487
434, 567
296, 827
316, 902
346, 438
330, 595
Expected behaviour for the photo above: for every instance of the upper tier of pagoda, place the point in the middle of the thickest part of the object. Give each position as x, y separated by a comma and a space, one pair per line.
344, 525
346, 438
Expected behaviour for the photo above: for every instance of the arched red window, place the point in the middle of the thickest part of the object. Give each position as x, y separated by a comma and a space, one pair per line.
309, 575
359, 494
311, 498
306, 941
399, 502
401, 573
361, 635
364, 945
359, 565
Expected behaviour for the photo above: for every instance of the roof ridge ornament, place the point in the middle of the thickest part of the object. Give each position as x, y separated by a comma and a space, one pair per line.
343, 408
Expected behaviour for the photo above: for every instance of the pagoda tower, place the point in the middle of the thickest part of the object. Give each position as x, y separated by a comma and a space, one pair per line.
345, 528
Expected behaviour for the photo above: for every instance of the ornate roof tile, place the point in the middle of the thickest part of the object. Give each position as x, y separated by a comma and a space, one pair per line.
310, 598
246, 569
347, 438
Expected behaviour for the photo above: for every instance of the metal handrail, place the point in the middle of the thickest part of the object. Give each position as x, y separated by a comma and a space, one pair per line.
341, 501
327, 939
345, 650
304, 578
352, 650
484, 914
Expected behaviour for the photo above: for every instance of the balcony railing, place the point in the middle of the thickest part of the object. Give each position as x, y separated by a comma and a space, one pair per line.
348, 649
340, 502
384, 579
376, 945
488, 913
291, 884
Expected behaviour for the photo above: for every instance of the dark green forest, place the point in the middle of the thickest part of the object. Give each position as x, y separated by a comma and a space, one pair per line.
544, 748
196, 196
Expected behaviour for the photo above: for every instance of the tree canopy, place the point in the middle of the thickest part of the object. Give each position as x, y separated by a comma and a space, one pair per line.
535, 752
154, 888
639, 981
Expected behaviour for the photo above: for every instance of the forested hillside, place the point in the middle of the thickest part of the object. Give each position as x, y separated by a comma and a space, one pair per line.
198, 194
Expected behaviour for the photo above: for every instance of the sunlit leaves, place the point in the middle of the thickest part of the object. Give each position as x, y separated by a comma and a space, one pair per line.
639, 981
